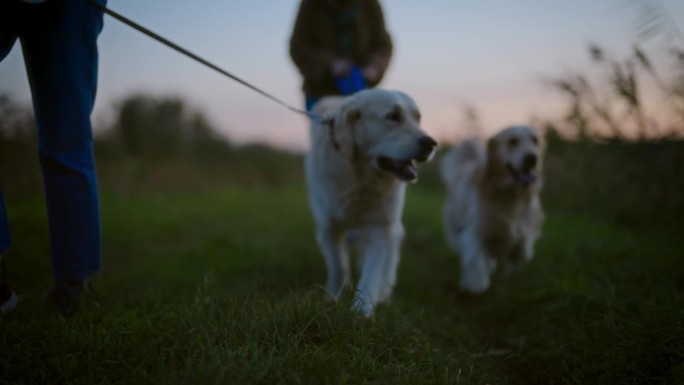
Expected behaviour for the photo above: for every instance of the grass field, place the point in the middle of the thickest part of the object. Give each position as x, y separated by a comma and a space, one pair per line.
223, 285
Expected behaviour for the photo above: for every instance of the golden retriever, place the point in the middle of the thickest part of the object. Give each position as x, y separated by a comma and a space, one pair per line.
361, 155
493, 212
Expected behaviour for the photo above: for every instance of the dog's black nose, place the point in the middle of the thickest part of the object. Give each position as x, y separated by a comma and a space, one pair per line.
529, 161
427, 144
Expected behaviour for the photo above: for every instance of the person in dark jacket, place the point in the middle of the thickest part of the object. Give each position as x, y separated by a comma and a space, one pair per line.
339, 46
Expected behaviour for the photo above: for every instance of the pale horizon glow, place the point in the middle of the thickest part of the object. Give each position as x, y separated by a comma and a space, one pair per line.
489, 55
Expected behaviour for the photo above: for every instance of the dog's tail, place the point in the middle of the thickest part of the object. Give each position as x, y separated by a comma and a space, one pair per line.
462, 160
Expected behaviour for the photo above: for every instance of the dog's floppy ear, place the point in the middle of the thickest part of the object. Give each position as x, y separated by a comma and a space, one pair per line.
492, 149
542, 142
341, 127
492, 159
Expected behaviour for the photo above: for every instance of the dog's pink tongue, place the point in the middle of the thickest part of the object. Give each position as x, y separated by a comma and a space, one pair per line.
527, 178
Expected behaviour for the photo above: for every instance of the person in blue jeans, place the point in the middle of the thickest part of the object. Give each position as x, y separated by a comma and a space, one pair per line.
58, 41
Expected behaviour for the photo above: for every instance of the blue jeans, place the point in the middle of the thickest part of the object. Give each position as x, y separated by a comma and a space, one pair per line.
58, 40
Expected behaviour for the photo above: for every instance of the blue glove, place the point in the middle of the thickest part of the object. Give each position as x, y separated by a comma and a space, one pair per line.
352, 82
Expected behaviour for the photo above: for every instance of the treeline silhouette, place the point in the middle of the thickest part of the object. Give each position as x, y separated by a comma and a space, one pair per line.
152, 142
162, 144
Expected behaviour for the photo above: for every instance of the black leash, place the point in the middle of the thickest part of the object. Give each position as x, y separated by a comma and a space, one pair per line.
191, 55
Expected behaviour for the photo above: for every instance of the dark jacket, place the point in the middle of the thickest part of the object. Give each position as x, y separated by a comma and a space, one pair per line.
329, 29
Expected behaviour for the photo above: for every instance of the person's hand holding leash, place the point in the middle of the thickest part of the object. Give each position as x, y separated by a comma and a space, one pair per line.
340, 67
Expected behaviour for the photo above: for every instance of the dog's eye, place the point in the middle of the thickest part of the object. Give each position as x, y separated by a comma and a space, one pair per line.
393, 116
535, 140
513, 142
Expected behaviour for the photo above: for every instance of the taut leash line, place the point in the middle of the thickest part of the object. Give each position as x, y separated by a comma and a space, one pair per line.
191, 55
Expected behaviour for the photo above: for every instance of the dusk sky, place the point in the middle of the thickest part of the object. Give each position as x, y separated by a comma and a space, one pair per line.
490, 54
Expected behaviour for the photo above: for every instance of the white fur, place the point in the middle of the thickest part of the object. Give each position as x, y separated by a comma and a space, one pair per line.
352, 196
490, 217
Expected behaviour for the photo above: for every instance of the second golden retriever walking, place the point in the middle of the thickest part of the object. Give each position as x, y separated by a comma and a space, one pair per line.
493, 214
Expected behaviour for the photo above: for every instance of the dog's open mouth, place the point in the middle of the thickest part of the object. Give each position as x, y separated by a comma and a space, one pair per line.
524, 177
406, 170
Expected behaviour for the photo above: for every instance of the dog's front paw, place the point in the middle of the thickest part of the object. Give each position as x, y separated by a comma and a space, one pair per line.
476, 283
363, 306
475, 287
475, 276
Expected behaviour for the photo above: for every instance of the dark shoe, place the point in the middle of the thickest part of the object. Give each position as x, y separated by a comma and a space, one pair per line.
8, 299
65, 296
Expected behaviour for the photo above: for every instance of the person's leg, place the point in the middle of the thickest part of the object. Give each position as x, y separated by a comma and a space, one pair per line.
8, 35
5, 239
8, 299
59, 45
9, 17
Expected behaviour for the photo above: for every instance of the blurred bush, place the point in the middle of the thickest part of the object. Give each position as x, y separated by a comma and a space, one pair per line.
627, 159
612, 104
164, 142
152, 143
160, 127
636, 183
